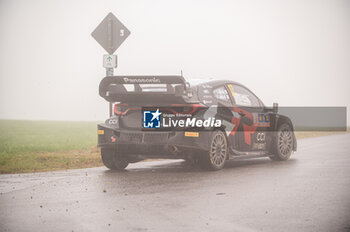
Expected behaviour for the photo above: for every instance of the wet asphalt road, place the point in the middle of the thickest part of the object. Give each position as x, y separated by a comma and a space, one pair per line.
310, 192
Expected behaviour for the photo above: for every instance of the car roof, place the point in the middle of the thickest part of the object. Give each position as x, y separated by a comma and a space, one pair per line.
211, 82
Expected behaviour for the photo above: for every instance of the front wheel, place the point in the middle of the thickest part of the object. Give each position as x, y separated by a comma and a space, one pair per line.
216, 157
112, 160
283, 146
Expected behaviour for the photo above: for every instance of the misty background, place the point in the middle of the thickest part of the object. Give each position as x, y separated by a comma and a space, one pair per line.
296, 53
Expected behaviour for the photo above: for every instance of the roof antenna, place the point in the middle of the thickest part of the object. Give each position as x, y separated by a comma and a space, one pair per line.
181, 73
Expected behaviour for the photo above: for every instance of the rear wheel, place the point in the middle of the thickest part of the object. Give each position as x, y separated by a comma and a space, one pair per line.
216, 157
283, 146
112, 160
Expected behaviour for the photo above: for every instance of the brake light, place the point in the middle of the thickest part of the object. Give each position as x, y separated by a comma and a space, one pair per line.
120, 109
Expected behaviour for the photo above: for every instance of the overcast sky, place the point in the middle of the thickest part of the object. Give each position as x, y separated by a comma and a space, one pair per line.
296, 53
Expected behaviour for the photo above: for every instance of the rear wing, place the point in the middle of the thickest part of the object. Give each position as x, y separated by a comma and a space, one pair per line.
144, 89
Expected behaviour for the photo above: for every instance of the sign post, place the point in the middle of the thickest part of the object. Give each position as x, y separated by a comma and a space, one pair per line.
109, 63
110, 34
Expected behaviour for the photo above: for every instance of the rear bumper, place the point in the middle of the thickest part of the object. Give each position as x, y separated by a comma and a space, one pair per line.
144, 142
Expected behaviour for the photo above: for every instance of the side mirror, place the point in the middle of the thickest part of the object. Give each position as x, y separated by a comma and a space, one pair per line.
179, 90
275, 107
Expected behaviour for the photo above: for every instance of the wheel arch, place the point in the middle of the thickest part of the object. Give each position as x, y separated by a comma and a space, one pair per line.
279, 120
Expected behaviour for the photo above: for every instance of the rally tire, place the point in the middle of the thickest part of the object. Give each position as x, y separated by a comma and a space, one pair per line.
215, 158
112, 160
284, 142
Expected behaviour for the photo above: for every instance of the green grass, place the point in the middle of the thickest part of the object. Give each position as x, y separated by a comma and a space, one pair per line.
27, 146
46, 136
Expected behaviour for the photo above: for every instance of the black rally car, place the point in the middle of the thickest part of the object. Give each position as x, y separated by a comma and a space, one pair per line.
204, 121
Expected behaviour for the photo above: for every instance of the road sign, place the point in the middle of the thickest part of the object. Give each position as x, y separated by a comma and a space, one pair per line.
110, 33
109, 61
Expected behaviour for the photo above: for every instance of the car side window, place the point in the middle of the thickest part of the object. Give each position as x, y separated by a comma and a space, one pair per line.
244, 97
221, 94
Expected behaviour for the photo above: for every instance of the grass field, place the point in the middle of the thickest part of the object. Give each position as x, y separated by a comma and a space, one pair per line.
31, 146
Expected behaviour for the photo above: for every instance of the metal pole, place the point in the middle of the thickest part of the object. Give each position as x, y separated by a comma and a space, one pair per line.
109, 73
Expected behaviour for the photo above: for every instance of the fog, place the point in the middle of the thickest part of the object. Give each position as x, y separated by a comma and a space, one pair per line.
296, 53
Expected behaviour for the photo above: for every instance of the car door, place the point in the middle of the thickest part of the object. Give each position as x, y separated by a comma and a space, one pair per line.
249, 132
223, 103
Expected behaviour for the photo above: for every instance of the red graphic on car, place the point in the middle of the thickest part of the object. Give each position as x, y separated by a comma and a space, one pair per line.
243, 123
